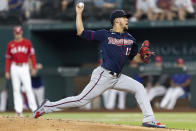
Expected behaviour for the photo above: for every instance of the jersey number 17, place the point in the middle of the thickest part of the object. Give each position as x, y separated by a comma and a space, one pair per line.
128, 50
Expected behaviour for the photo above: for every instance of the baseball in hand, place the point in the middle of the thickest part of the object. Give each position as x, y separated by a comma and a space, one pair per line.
81, 4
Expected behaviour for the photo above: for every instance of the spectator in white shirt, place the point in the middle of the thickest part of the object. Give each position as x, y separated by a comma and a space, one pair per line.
184, 7
4, 5
146, 7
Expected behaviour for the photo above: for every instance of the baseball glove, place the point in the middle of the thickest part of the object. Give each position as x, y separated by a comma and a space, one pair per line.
145, 52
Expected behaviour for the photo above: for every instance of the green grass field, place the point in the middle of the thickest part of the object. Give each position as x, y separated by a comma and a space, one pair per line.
172, 120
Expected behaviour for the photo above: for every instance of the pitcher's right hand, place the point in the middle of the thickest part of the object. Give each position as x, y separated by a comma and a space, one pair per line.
79, 9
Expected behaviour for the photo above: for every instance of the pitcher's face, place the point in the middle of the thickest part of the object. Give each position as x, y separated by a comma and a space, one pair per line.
123, 23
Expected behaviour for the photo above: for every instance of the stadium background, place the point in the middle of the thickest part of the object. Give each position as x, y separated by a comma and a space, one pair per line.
65, 56
68, 60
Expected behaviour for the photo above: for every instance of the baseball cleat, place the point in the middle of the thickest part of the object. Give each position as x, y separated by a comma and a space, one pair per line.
154, 124
40, 110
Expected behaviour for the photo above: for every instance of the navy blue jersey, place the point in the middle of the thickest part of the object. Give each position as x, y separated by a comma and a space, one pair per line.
138, 78
115, 47
36, 81
180, 78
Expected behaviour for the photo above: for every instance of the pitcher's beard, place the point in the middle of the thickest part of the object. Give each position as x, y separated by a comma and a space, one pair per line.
125, 29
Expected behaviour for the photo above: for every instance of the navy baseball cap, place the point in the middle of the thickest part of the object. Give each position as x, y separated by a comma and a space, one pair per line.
117, 14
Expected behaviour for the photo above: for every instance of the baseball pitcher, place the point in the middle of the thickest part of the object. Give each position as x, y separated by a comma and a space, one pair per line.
116, 44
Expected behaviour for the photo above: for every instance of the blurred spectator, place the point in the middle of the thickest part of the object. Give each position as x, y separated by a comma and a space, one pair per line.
146, 7
61, 5
87, 106
16, 15
179, 86
15, 4
183, 8
64, 4
110, 96
194, 2
133, 64
165, 6
61, 9
4, 5
142, 78
38, 87
108, 4
138, 77
31, 7
194, 5
3, 94
24, 98
158, 83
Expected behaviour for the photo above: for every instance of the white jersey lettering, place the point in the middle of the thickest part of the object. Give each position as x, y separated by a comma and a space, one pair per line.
19, 49
119, 42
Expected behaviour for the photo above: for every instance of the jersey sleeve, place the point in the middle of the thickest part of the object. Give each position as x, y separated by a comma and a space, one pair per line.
187, 77
134, 51
94, 35
7, 59
32, 55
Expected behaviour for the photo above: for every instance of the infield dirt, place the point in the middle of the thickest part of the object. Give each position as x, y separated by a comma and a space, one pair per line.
42, 124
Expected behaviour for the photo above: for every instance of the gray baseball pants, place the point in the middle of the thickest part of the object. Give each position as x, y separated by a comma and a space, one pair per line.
100, 81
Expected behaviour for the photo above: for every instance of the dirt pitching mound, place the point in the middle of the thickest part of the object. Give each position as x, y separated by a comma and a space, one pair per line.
30, 124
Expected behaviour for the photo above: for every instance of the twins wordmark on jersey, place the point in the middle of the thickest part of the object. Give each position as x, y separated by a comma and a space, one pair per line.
119, 42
